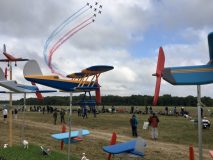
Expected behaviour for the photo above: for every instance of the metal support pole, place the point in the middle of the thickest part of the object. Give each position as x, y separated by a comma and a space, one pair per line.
10, 112
199, 122
70, 113
23, 120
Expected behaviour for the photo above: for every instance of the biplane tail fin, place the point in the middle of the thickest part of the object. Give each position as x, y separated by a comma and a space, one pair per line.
210, 42
2, 76
32, 68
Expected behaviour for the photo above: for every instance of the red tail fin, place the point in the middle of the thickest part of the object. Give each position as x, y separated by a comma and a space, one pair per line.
98, 96
98, 93
113, 141
38, 94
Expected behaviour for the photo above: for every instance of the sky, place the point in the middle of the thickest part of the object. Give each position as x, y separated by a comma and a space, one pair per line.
127, 35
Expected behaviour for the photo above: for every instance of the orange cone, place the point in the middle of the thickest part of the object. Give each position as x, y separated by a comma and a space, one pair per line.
191, 152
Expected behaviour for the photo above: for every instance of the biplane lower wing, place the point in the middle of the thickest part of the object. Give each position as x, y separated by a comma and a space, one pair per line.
75, 136
190, 75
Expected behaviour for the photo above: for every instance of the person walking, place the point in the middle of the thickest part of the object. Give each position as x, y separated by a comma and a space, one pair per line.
153, 122
134, 124
55, 115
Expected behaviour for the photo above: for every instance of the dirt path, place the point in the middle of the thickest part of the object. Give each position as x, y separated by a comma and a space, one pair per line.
153, 147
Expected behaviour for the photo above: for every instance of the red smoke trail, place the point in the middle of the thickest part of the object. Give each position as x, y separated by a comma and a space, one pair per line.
55, 46
62, 40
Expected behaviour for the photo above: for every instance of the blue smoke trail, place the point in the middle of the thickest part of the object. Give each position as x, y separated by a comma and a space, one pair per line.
58, 29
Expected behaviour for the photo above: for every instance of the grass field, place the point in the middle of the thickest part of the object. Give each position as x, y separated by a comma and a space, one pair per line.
33, 153
175, 134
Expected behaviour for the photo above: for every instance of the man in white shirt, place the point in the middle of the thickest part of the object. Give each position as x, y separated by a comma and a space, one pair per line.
5, 112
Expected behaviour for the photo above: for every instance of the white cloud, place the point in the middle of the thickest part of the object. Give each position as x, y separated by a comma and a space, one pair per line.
25, 28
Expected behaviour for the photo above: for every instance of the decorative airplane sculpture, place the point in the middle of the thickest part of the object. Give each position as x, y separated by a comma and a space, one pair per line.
75, 136
132, 147
79, 81
10, 58
186, 75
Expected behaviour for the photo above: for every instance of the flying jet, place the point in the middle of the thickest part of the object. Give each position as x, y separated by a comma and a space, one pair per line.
100, 6
99, 12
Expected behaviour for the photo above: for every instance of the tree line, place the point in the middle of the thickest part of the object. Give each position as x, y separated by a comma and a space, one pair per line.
110, 100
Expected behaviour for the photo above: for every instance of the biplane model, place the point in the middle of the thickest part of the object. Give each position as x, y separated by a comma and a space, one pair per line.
75, 136
10, 58
84, 81
184, 75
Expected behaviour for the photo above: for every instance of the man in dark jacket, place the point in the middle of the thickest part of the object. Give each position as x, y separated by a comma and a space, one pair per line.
134, 124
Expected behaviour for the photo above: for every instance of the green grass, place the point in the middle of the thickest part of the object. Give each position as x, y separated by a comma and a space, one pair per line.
172, 130
32, 153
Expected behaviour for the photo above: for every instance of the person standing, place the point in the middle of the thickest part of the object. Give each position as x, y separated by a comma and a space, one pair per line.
55, 115
84, 112
15, 113
153, 122
166, 111
5, 112
134, 124
62, 114
79, 111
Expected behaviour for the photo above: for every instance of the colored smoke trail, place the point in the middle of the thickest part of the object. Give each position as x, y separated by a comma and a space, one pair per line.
58, 43
63, 40
57, 38
59, 28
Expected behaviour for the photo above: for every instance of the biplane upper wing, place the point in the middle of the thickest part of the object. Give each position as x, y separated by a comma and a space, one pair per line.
97, 69
91, 71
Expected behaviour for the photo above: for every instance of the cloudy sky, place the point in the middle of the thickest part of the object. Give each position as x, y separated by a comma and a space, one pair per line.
126, 35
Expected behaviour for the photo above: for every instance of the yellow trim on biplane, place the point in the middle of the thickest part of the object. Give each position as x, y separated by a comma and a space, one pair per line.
56, 78
192, 70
